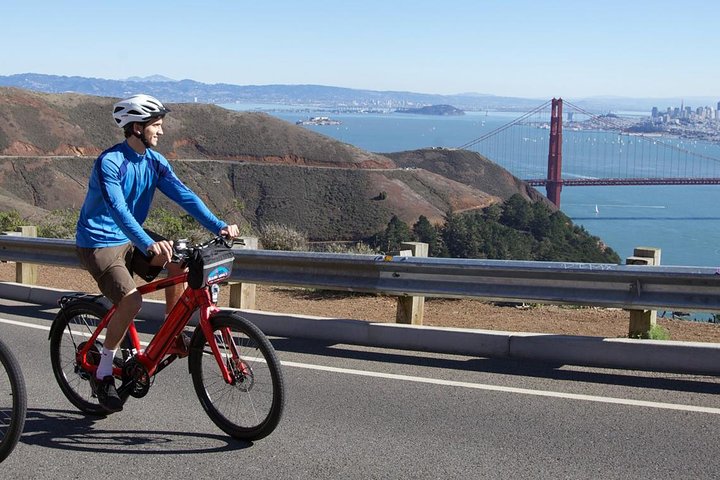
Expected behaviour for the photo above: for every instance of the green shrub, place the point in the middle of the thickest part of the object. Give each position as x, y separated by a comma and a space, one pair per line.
358, 248
9, 221
59, 224
173, 225
657, 332
274, 236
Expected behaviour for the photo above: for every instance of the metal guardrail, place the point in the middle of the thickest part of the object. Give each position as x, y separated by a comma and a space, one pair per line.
633, 287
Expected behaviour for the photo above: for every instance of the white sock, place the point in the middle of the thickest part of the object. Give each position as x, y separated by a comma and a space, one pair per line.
106, 363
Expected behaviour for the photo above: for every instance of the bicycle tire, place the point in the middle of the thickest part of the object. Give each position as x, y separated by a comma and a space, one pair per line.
12, 420
72, 327
251, 407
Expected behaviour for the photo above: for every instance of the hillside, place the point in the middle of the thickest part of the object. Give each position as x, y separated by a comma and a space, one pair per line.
248, 166
469, 168
34, 124
326, 203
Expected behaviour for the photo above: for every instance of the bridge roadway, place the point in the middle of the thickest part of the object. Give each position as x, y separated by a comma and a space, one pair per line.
575, 182
368, 413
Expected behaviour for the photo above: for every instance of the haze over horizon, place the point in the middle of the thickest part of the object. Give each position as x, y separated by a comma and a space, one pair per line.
519, 48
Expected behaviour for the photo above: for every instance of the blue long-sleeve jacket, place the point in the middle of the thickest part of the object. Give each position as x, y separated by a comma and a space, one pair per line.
120, 192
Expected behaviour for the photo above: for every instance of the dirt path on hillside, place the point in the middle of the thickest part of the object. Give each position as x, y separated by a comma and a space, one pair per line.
465, 313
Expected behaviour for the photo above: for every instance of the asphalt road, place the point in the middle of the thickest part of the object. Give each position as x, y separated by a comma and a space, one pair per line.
363, 413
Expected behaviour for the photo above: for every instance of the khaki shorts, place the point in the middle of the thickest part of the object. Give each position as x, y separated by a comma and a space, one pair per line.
110, 267
113, 267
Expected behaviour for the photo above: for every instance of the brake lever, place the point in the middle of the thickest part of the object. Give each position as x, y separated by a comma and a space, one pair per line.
226, 240
180, 248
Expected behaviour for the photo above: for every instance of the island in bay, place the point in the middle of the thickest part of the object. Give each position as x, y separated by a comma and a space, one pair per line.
444, 110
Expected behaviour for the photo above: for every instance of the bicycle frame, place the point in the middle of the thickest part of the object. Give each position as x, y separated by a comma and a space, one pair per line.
159, 352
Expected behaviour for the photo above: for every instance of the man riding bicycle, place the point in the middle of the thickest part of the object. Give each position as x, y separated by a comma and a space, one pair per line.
120, 191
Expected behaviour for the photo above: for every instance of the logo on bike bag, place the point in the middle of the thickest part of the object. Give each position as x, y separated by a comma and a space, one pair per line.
218, 274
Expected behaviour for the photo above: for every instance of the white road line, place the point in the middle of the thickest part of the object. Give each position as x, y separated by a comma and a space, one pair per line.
476, 386
523, 391
24, 324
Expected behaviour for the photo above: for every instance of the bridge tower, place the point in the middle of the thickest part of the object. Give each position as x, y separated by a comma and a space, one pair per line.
554, 182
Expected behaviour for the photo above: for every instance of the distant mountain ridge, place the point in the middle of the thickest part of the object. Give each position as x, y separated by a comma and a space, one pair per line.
319, 95
151, 78
192, 91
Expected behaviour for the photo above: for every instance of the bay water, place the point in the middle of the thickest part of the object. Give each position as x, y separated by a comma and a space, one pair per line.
683, 221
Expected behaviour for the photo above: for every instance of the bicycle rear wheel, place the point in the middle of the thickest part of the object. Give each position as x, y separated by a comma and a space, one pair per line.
73, 326
250, 406
13, 402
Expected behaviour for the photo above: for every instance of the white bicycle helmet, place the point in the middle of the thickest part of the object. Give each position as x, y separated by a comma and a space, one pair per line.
138, 108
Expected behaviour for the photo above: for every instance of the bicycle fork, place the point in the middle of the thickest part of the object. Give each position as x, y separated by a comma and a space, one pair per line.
229, 356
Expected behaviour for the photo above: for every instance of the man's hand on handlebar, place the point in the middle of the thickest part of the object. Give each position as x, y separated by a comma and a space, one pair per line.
230, 231
161, 252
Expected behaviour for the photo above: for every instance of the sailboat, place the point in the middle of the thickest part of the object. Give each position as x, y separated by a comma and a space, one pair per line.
596, 209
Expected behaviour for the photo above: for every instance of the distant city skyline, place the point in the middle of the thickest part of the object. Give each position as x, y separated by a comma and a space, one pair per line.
686, 112
519, 48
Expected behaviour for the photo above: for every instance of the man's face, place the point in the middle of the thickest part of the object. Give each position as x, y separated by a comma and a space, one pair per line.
153, 130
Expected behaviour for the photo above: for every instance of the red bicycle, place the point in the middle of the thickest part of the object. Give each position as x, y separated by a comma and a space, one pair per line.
235, 370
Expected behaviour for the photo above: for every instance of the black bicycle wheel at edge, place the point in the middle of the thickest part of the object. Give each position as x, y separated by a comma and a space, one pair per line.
71, 328
13, 402
249, 407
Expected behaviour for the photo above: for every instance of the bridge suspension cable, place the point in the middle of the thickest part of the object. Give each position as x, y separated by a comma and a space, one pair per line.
500, 129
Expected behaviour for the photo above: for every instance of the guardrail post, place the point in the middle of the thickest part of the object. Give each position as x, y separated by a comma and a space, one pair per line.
242, 295
411, 310
641, 321
26, 272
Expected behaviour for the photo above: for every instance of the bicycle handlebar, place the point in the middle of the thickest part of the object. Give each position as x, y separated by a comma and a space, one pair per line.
183, 251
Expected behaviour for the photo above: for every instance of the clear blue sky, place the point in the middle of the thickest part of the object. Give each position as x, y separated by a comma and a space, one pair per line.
525, 48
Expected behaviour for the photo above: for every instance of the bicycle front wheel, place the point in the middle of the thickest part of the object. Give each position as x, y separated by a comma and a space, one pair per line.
13, 402
248, 407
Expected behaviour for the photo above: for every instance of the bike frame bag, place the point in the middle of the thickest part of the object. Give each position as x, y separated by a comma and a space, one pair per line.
210, 265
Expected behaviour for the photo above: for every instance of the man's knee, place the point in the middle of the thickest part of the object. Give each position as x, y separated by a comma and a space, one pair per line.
132, 302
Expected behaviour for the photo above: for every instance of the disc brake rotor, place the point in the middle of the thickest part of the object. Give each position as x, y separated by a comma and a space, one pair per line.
242, 374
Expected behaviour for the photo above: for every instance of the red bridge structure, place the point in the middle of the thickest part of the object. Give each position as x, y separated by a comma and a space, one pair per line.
599, 150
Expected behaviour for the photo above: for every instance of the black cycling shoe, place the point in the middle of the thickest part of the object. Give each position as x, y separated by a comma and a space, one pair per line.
107, 394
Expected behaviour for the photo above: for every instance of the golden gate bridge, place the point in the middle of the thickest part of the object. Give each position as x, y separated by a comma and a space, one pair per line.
594, 151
